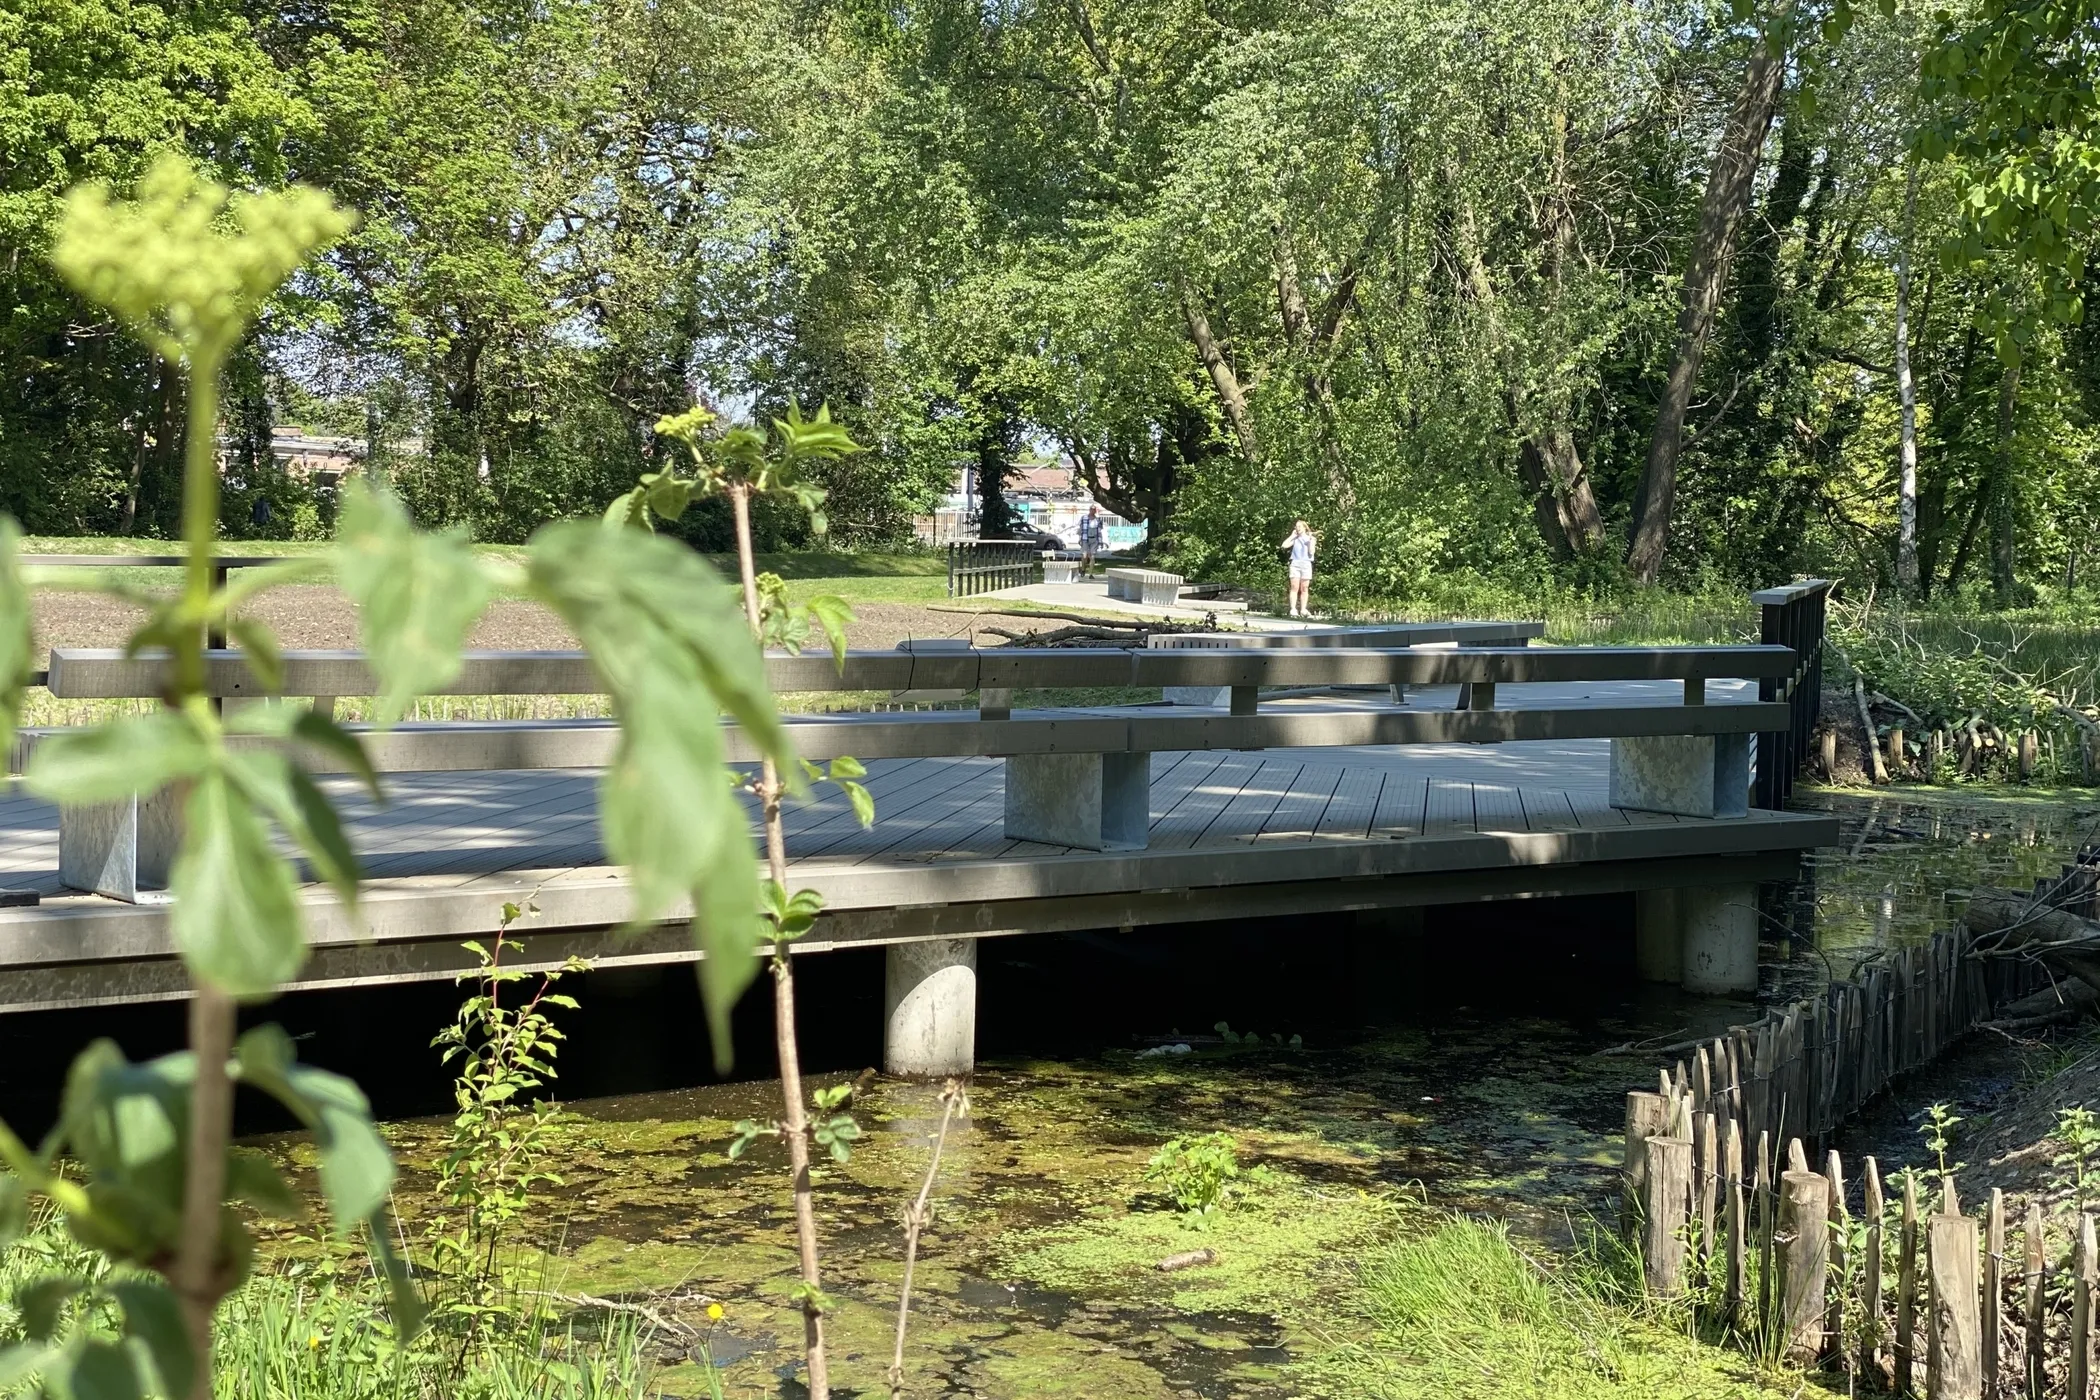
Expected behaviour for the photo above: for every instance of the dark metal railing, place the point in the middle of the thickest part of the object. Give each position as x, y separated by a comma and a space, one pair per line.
985, 566
1793, 617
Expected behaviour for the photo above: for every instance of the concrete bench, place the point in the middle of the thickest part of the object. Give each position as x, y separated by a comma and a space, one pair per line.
1072, 779
1152, 587
1057, 570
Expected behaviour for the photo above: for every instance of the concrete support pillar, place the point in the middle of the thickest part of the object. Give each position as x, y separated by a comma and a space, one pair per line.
1658, 935
1720, 939
1094, 801
930, 1008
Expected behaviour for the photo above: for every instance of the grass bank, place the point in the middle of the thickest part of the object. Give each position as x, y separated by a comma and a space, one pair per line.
1463, 1311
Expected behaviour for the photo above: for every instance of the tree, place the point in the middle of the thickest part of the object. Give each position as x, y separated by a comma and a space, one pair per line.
1728, 185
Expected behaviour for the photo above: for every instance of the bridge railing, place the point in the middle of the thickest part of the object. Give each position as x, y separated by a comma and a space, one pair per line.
1074, 777
1794, 616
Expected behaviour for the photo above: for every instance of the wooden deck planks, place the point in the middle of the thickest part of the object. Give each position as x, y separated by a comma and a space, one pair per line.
1354, 803
1400, 806
1498, 807
1450, 808
1182, 826
1298, 815
1242, 818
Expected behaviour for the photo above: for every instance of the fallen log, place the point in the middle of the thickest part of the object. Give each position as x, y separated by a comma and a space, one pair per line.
1195, 1258
2067, 1000
2021, 926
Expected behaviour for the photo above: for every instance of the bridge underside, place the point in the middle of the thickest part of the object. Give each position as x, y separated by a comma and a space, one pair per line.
1233, 835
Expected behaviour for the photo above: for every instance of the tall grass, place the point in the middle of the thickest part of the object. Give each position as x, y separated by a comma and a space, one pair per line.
1468, 1312
308, 1330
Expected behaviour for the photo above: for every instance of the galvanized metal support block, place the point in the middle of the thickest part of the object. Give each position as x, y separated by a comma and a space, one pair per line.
121, 849
1092, 801
1688, 775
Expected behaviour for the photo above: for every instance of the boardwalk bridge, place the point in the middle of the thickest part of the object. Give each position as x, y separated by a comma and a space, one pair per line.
1311, 775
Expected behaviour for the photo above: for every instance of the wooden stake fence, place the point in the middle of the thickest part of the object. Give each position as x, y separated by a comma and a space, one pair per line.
1763, 1244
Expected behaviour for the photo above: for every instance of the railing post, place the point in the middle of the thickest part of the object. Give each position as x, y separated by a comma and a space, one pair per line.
1792, 616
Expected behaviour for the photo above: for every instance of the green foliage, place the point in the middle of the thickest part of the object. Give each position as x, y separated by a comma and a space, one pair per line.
1938, 1132
832, 1130
171, 268
2020, 115
417, 596
1194, 1173
502, 1136
661, 629
2077, 1154
186, 267
113, 1170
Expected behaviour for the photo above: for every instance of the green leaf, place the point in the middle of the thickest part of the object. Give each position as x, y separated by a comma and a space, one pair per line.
280, 787
23, 1360
152, 1315
14, 1209
402, 1301
862, 801
663, 630
417, 593
831, 614
236, 912
42, 1303
357, 1171
98, 1370
586, 573
297, 725
260, 651
17, 650
137, 754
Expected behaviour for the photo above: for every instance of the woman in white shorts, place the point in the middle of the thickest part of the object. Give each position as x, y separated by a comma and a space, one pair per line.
1303, 545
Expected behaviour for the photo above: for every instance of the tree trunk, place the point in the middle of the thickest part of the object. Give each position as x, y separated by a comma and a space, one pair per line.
1562, 500
2001, 487
1232, 397
1727, 195
1932, 500
994, 519
1906, 392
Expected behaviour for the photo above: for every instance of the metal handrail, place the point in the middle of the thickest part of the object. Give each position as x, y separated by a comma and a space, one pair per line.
80, 673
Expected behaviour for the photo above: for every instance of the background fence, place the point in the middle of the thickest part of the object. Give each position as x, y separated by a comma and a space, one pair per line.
985, 566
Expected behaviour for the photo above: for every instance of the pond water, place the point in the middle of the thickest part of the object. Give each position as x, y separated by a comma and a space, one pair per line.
1481, 1067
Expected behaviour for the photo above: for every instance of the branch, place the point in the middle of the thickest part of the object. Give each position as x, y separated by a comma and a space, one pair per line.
1851, 358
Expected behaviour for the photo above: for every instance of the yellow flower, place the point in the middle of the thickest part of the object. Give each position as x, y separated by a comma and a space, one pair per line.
314, 1342
714, 1312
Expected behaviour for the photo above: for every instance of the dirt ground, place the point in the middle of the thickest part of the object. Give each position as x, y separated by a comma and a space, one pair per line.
316, 617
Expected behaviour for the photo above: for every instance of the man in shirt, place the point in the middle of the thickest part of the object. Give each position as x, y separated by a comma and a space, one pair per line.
1089, 539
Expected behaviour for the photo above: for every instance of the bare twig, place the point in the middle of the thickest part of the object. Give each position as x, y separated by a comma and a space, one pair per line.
916, 1217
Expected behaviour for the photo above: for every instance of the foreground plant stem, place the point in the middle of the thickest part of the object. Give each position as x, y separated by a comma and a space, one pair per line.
795, 1126
915, 1221
195, 1272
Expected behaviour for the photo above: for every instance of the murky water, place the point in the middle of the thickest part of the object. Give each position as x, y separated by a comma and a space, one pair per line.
1904, 864
1487, 1074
